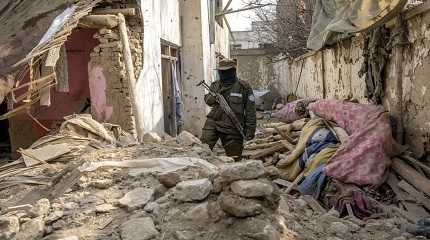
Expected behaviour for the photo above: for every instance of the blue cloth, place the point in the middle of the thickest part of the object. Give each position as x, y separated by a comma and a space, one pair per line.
314, 183
320, 139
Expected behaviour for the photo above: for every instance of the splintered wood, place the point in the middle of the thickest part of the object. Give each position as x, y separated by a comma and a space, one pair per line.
274, 139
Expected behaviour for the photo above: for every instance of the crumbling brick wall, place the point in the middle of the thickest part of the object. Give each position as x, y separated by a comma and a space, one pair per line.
108, 55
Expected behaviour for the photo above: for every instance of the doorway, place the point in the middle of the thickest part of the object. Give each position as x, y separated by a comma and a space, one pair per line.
5, 149
172, 97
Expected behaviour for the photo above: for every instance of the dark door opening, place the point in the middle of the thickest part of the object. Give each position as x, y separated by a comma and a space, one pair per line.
171, 89
5, 149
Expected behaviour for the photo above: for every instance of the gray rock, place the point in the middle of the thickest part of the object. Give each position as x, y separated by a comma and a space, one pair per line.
41, 208
242, 171
151, 207
251, 188
32, 229
339, 229
9, 226
54, 216
104, 208
184, 235
138, 229
238, 206
187, 139
169, 179
102, 183
151, 138
193, 190
215, 211
136, 198
254, 228
198, 213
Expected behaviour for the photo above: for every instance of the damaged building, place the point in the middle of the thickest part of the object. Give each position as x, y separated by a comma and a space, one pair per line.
131, 63
102, 106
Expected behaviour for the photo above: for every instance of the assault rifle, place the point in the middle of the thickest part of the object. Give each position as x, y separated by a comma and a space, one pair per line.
225, 107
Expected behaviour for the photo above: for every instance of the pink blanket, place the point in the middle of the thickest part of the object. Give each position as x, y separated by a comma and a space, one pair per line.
363, 159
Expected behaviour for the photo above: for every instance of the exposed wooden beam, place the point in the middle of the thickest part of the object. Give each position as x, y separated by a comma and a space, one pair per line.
123, 11
128, 60
99, 21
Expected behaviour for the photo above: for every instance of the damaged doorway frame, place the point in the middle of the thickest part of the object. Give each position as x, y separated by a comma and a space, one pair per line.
170, 69
5, 143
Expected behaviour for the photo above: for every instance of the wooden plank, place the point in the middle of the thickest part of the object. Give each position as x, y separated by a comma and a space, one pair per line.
99, 21
416, 163
288, 145
123, 11
128, 60
414, 193
411, 175
269, 151
314, 204
261, 146
44, 154
295, 183
414, 211
283, 182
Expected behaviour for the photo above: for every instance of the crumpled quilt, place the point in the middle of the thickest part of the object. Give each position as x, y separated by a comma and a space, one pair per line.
338, 195
290, 112
315, 147
364, 157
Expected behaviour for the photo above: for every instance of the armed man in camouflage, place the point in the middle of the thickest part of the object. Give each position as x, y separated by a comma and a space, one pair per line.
240, 98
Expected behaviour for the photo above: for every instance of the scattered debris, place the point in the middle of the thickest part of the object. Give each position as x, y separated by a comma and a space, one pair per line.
170, 190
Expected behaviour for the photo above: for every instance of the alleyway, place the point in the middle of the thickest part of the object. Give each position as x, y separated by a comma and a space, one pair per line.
166, 188
106, 106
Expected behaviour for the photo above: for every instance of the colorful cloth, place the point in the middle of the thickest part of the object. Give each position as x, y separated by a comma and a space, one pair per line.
363, 159
293, 111
315, 147
314, 184
338, 195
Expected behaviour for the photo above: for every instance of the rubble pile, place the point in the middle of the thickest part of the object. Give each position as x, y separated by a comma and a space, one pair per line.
175, 188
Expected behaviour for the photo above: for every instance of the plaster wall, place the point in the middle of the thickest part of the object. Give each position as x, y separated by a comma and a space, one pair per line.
333, 73
196, 62
170, 21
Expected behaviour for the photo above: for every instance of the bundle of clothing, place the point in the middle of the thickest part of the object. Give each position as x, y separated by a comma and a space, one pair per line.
343, 146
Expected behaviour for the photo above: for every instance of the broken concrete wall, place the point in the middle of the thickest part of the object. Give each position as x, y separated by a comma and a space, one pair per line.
110, 100
157, 26
196, 62
415, 85
251, 66
333, 73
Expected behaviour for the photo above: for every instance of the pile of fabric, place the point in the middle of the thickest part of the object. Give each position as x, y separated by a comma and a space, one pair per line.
342, 147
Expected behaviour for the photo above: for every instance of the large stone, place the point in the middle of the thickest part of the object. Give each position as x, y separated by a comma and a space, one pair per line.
104, 208
138, 229
41, 208
198, 213
54, 216
32, 229
258, 229
151, 138
187, 139
193, 190
239, 206
242, 171
136, 198
339, 229
9, 226
169, 179
251, 188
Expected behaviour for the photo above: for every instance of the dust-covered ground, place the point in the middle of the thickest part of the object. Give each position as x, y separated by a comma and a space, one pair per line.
223, 200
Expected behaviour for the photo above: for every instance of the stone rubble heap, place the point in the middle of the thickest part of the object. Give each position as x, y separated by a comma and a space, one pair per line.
237, 201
